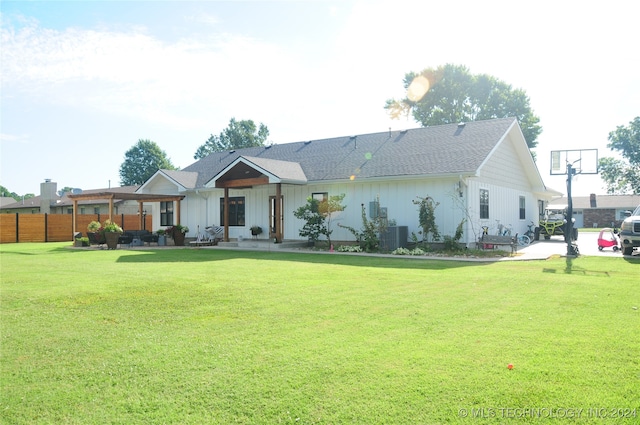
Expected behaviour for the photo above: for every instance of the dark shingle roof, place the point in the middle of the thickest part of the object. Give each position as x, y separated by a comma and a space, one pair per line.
439, 150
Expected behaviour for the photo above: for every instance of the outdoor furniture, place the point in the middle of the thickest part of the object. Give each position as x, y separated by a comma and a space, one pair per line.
140, 237
125, 240
212, 236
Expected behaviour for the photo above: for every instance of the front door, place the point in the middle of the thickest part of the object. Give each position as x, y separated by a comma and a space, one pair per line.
272, 216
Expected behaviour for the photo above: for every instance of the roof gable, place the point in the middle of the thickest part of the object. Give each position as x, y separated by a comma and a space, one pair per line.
255, 170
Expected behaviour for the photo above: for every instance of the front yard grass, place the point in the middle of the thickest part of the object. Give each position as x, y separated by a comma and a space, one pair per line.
194, 336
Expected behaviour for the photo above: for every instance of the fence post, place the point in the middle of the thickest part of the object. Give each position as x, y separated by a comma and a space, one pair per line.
46, 227
17, 228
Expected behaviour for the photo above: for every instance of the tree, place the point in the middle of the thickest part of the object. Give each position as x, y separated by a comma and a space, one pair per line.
64, 190
623, 176
4, 192
238, 135
450, 94
318, 215
142, 161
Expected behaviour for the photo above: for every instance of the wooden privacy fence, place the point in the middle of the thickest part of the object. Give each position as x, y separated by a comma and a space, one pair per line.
58, 227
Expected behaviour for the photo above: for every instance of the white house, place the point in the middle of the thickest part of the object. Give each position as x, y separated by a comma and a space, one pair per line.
479, 171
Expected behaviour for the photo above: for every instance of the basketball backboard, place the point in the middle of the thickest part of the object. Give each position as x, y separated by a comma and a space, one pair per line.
582, 161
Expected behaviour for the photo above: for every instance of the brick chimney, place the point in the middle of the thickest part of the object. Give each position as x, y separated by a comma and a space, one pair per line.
592, 200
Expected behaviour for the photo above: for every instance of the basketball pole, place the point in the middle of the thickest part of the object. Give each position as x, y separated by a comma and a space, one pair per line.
571, 248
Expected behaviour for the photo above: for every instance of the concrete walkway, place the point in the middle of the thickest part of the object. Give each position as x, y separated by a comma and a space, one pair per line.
541, 250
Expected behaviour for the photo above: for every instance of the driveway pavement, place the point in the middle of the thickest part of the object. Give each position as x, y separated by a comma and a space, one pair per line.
587, 245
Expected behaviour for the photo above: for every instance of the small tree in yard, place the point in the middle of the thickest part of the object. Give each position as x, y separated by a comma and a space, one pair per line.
318, 216
427, 218
314, 222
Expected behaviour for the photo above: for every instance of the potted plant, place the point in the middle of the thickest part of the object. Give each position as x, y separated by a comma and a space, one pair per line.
111, 232
162, 237
177, 232
93, 233
80, 241
255, 230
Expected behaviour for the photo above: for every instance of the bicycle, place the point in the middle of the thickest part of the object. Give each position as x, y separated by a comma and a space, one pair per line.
524, 240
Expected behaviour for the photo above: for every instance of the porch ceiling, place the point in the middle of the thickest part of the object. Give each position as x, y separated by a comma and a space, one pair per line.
252, 171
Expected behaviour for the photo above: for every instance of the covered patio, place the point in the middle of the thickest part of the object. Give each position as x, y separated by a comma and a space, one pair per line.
111, 196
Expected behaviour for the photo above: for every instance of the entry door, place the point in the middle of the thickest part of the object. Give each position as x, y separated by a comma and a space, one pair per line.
272, 215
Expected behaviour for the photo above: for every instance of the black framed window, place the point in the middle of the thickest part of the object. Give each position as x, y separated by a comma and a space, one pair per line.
236, 211
484, 204
320, 196
166, 213
523, 210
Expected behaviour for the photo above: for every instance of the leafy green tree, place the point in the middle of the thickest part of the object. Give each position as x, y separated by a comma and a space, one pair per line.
142, 161
64, 190
450, 94
318, 216
314, 222
4, 192
238, 135
623, 176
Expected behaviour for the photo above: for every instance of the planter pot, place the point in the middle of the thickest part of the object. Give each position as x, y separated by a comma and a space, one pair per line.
162, 240
112, 239
178, 238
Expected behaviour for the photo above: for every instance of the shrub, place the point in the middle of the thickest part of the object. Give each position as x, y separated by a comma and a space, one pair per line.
349, 248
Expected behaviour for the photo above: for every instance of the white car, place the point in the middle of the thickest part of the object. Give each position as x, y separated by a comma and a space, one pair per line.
630, 232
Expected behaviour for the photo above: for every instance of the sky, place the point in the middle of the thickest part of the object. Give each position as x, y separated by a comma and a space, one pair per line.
82, 82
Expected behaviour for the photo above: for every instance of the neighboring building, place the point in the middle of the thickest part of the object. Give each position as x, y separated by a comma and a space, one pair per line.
600, 210
49, 202
6, 200
481, 172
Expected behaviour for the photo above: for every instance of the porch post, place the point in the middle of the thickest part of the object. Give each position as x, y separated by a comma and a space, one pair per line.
75, 211
140, 215
111, 208
278, 212
226, 214
178, 211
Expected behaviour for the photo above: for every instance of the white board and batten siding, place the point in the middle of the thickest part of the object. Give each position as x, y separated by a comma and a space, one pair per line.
503, 176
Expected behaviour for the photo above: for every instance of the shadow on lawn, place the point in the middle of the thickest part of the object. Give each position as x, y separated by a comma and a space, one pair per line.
570, 268
358, 260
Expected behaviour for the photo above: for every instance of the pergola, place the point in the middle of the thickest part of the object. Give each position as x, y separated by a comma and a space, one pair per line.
110, 196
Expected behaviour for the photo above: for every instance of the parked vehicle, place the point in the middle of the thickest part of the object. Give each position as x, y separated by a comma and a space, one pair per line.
554, 223
630, 232
608, 238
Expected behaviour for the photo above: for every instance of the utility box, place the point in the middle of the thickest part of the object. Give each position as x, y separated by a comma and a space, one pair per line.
374, 209
395, 237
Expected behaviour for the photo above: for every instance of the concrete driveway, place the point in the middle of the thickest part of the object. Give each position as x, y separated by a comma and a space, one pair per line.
587, 245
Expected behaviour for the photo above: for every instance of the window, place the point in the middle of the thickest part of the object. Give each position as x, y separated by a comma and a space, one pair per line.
69, 210
166, 213
523, 210
236, 211
484, 204
96, 210
320, 196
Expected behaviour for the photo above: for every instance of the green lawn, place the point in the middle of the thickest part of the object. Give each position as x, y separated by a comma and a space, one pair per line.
198, 336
